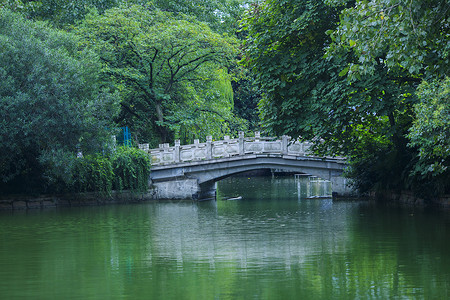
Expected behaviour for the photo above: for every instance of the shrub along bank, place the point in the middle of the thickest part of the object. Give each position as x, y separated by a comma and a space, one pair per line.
125, 169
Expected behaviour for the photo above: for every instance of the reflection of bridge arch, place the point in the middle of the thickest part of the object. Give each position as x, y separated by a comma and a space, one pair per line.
191, 171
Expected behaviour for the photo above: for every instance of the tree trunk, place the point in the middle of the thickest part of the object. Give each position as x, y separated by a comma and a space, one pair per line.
163, 135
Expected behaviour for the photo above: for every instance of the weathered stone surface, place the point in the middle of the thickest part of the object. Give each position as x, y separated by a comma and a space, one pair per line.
225, 148
218, 151
200, 153
34, 204
48, 203
254, 147
272, 147
20, 204
63, 202
167, 157
342, 187
176, 189
88, 202
186, 155
75, 202
6, 205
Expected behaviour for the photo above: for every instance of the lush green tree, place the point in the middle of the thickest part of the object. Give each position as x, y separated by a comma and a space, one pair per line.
246, 97
430, 133
411, 40
407, 35
320, 95
60, 13
221, 15
51, 104
125, 168
166, 68
303, 93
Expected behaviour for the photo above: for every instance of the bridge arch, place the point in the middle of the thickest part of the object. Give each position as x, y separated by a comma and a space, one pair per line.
197, 179
190, 171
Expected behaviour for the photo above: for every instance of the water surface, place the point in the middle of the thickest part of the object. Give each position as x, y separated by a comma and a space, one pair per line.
272, 243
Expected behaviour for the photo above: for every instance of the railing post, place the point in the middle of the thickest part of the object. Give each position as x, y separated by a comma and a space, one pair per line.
209, 147
284, 144
177, 151
257, 136
226, 141
241, 143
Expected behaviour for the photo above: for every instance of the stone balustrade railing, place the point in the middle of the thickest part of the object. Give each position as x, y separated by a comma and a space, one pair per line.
228, 147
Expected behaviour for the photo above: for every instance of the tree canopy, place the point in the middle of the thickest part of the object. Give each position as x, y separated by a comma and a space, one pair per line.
345, 74
167, 69
50, 102
411, 35
221, 15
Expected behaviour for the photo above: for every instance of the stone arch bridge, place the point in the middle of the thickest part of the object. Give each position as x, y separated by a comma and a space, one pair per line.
191, 171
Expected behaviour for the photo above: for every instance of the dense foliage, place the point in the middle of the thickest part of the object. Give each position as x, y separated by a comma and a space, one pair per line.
131, 168
50, 103
91, 173
126, 168
430, 134
345, 74
170, 71
221, 15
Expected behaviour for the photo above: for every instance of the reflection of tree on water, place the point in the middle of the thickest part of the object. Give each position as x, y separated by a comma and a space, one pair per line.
255, 248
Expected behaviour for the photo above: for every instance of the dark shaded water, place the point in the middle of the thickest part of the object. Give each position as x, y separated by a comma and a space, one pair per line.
270, 244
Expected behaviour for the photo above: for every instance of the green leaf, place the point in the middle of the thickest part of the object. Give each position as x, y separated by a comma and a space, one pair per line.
344, 71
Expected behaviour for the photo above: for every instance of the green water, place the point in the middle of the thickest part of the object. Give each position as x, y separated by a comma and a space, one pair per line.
273, 243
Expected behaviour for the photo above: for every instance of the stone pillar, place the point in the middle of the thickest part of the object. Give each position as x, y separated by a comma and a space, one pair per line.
226, 141
183, 188
177, 151
209, 147
241, 143
341, 187
257, 136
284, 144
207, 190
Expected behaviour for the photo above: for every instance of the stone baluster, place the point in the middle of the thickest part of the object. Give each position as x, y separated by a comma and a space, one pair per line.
284, 144
257, 136
209, 147
226, 141
177, 151
241, 143
194, 149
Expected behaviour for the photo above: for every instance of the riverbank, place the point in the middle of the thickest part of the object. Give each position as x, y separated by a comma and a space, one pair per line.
407, 198
22, 202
